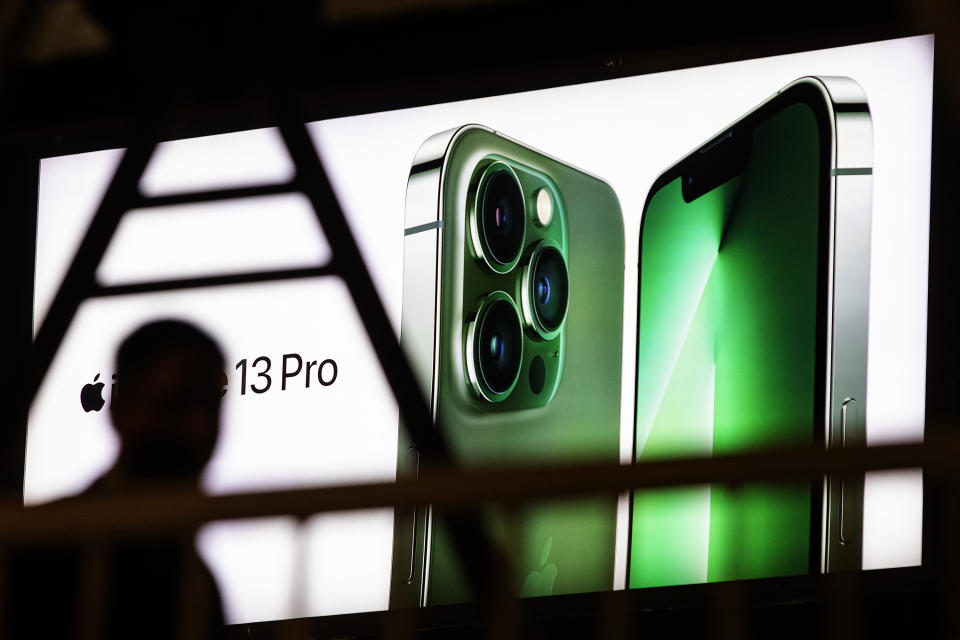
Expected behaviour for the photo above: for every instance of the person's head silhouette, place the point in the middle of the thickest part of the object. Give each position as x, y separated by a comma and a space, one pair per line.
167, 409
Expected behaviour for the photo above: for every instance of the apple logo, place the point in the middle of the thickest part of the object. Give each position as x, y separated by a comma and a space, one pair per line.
540, 583
91, 396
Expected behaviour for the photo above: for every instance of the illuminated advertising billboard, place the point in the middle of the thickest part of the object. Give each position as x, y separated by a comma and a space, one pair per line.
696, 262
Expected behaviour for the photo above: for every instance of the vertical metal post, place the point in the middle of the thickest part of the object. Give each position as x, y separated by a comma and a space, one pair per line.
3, 589
94, 579
728, 611
615, 623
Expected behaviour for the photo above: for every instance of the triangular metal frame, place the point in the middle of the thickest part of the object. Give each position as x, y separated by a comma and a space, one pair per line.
123, 194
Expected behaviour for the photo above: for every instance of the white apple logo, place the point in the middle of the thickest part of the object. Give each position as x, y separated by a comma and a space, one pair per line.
540, 583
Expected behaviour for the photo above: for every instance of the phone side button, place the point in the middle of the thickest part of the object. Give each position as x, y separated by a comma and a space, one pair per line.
411, 470
848, 422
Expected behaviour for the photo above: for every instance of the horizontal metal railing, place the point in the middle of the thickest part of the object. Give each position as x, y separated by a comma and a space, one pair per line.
180, 509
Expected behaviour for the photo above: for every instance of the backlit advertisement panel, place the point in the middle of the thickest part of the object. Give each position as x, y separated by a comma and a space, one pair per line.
564, 293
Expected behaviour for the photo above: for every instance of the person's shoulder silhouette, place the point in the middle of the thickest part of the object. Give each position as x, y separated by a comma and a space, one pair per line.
166, 413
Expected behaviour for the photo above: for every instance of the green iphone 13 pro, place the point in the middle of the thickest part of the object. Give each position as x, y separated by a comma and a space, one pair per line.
512, 318
752, 333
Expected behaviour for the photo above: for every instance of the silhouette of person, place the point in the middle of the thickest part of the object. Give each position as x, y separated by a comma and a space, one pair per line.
166, 412
167, 409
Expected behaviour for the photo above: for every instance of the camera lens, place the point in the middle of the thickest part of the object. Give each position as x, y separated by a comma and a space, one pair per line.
547, 290
497, 347
501, 219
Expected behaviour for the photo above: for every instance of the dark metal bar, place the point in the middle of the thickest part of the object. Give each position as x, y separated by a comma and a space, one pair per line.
312, 180
728, 615
467, 532
79, 281
213, 281
19, 180
615, 622
172, 510
4, 596
505, 617
94, 575
197, 197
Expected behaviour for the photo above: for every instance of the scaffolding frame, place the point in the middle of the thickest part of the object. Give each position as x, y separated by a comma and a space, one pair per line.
444, 484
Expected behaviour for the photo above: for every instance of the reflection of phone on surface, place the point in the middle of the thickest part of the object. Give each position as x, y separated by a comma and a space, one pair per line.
512, 318
752, 333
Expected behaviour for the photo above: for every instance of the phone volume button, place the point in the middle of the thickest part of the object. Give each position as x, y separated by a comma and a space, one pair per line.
848, 419
410, 471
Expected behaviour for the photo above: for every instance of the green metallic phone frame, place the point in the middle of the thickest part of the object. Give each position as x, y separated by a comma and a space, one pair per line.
440, 286
845, 125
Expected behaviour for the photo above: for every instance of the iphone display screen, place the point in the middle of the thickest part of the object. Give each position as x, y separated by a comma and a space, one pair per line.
730, 318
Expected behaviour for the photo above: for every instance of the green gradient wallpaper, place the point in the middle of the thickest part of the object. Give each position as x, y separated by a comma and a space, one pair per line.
726, 352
